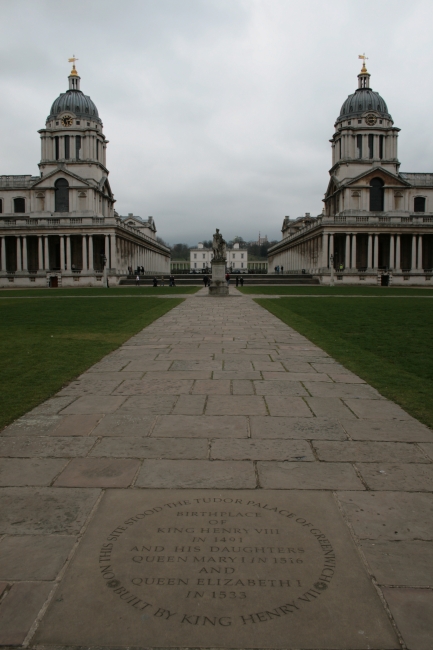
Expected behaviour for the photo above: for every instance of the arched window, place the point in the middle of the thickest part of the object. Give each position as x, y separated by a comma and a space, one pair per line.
61, 203
19, 205
376, 195
419, 204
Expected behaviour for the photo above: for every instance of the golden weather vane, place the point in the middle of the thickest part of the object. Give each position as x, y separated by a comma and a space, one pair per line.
72, 60
364, 59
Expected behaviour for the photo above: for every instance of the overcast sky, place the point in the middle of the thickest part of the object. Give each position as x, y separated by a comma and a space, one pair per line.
218, 112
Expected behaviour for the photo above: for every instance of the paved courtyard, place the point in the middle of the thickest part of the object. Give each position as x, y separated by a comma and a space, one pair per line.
217, 482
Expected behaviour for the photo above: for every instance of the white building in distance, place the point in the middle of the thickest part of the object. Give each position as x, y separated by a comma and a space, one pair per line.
201, 257
60, 227
377, 223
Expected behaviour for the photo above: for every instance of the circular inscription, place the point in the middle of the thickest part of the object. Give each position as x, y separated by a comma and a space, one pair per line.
217, 561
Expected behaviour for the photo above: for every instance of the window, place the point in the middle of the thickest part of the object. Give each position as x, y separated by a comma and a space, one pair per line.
242, 256
61, 200
370, 145
359, 121
233, 256
57, 146
340, 147
77, 146
376, 195
195, 265
195, 256
97, 149
381, 147
349, 122
1, 206
204, 265
242, 265
88, 123
19, 205
204, 256
67, 142
359, 146
419, 204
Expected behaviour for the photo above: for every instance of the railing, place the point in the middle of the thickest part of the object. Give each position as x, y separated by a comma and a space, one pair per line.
75, 220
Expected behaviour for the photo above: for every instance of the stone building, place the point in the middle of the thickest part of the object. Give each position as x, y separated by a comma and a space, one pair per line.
377, 221
237, 258
60, 228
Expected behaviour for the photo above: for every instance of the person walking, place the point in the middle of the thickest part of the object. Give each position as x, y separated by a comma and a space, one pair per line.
137, 280
228, 279
282, 269
155, 282
237, 281
162, 280
205, 280
242, 281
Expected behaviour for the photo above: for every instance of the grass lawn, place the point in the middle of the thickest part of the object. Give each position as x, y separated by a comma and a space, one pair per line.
275, 290
46, 343
96, 291
388, 343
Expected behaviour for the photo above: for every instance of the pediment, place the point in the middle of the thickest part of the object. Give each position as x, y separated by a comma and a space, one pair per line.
377, 172
47, 182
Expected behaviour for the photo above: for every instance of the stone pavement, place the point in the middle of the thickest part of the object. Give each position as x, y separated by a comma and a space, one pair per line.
218, 481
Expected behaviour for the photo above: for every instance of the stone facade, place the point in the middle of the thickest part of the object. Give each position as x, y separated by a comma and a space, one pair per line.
60, 228
377, 221
201, 258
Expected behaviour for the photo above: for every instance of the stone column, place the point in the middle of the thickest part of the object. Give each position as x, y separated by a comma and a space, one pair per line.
46, 255
107, 251
397, 253
84, 244
391, 252
413, 256
347, 253
353, 265
40, 254
25, 261
370, 252
324, 251
3, 253
62, 253
331, 249
419, 262
376, 252
19, 261
113, 255
90, 253
68, 252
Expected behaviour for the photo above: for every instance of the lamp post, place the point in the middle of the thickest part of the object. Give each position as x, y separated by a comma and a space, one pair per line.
104, 267
331, 262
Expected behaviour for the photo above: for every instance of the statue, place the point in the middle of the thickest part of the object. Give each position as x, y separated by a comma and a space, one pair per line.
218, 247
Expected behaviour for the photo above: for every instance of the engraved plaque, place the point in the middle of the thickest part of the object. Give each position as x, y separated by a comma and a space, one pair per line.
223, 569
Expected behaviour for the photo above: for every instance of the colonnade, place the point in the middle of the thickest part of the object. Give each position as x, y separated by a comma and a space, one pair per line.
119, 252
315, 253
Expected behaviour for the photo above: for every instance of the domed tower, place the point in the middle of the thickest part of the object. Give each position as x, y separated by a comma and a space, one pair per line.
73, 155
73, 136
365, 140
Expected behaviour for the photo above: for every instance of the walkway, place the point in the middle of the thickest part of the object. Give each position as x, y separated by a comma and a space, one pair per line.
218, 481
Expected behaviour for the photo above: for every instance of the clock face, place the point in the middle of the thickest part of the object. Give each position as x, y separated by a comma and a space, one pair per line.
371, 119
67, 120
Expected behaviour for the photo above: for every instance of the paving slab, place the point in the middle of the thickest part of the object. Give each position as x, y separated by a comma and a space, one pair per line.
76, 425
308, 476
125, 423
368, 452
212, 387
149, 404
277, 387
153, 580
98, 472
307, 428
47, 446
19, 609
400, 563
174, 448
32, 425
29, 471
193, 426
413, 612
196, 474
281, 405
331, 390
297, 376
331, 407
397, 476
371, 409
33, 557
44, 511
295, 450
389, 515
190, 405
408, 430
235, 405
93, 404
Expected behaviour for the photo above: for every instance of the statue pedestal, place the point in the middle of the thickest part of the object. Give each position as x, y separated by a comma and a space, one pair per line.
218, 285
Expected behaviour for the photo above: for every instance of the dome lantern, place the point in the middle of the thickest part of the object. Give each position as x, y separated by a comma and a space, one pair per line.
74, 77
